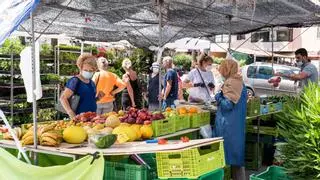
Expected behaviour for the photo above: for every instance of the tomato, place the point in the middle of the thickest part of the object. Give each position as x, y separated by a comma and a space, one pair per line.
184, 139
162, 141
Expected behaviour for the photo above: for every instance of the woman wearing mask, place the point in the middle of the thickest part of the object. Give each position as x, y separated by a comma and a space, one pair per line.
83, 86
231, 116
131, 96
202, 80
105, 82
153, 88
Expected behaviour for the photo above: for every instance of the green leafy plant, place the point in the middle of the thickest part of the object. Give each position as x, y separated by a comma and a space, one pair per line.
47, 114
182, 60
11, 45
217, 60
46, 49
299, 124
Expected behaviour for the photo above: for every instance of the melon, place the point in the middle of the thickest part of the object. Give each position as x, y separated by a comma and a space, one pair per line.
112, 121
74, 135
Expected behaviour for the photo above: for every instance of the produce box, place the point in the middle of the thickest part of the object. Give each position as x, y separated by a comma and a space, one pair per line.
272, 173
182, 122
126, 169
264, 109
200, 119
252, 158
279, 106
190, 163
163, 127
253, 107
214, 175
272, 131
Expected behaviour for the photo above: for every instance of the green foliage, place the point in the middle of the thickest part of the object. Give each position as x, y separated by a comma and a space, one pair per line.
182, 60
11, 45
299, 124
47, 114
242, 62
46, 49
217, 60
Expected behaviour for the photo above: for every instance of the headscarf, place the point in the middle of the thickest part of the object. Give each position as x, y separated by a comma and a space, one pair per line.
233, 84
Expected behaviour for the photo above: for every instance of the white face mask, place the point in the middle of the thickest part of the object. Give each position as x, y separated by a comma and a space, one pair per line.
299, 64
155, 70
87, 74
209, 68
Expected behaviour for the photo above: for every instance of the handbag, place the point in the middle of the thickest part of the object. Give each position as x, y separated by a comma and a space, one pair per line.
73, 101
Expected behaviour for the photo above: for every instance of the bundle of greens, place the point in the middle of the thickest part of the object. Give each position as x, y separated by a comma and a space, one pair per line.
299, 124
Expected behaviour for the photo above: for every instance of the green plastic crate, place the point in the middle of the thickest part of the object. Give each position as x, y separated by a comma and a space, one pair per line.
163, 127
272, 173
227, 173
190, 163
182, 122
253, 161
272, 131
126, 169
214, 175
200, 119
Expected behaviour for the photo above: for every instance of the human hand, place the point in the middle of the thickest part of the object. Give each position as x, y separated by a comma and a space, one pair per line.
71, 114
100, 94
112, 93
133, 104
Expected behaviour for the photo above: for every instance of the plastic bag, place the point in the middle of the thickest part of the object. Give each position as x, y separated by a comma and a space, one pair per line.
206, 131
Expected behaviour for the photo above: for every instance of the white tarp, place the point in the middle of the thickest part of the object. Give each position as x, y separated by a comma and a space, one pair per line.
12, 13
26, 71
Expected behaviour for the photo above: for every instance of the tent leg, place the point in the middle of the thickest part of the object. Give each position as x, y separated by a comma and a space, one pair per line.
34, 100
159, 54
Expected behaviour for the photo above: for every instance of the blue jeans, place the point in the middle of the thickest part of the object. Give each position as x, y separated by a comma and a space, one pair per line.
169, 102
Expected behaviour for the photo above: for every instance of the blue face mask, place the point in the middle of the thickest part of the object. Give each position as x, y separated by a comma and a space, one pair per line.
87, 74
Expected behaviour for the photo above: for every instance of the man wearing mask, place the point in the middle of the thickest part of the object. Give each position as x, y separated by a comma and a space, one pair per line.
308, 73
170, 91
153, 87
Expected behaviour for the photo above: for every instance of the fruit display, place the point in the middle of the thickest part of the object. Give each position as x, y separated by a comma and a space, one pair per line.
7, 135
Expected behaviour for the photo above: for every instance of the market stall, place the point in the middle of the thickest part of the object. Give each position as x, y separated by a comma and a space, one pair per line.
142, 34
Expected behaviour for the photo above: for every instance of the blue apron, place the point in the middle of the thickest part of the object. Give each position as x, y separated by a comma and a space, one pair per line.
230, 124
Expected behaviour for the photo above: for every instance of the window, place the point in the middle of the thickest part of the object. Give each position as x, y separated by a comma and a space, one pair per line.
284, 35
264, 35
264, 72
284, 71
251, 72
241, 36
224, 38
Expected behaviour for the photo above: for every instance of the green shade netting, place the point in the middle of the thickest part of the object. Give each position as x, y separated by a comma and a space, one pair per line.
12, 168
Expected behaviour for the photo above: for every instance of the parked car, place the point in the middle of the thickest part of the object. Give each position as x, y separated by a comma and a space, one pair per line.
256, 78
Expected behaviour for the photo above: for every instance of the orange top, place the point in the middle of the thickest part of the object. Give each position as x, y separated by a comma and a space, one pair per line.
105, 82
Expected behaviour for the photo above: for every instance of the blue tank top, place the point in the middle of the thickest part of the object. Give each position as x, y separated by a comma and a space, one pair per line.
87, 93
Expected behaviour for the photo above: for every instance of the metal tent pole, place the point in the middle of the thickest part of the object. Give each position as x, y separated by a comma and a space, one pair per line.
34, 100
159, 54
229, 45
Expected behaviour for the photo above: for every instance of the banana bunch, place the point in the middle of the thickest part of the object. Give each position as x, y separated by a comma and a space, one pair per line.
27, 138
16, 130
51, 138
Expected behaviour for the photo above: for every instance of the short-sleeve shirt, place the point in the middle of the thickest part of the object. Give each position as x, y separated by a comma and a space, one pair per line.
87, 93
105, 82
172, 75
312, 72
208, 78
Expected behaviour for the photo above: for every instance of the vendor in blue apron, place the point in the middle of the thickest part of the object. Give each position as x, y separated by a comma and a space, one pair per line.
231, 116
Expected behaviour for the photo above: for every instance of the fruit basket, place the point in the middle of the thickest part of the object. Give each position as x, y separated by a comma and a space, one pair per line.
128, 170
182, 122
163, 127
190, 163
213, 175
272, 173
200, 119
